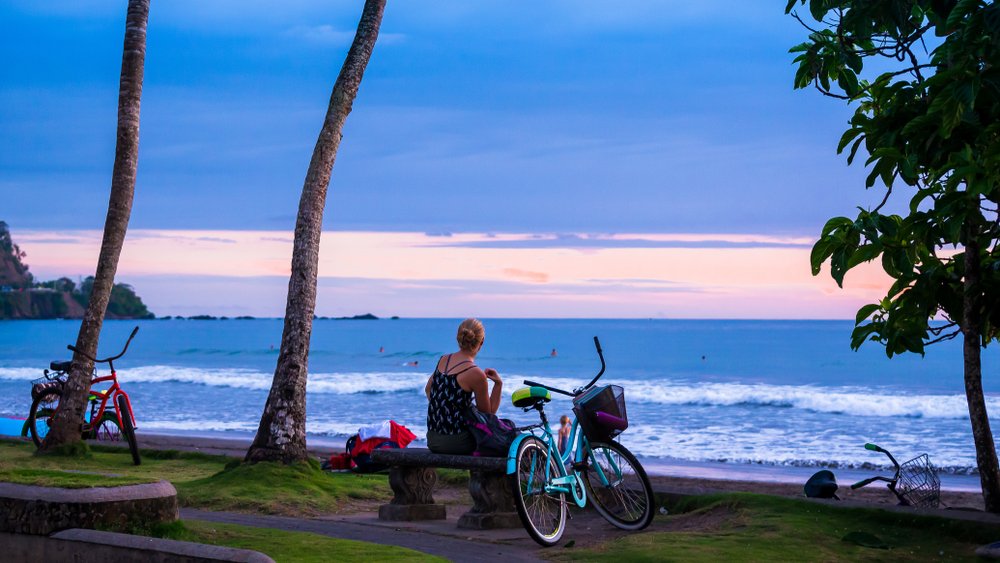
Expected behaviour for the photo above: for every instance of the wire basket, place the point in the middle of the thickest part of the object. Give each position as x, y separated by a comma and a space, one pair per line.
601, 413
42, 385
918, 483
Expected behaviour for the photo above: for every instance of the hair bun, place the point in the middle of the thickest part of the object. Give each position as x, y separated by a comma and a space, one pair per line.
470, 335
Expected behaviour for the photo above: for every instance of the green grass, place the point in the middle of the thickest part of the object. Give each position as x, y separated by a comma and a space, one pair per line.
275, 488
746, 527
19, 464
288, 547
453, 477
67, 479
203, 481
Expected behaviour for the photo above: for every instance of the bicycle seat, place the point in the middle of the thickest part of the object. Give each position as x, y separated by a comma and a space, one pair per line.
530, 396
60, 366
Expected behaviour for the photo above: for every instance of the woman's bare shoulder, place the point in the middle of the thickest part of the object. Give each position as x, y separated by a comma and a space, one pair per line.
471, 376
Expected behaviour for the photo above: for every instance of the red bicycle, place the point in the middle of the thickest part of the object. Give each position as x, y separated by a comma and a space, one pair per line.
103, 423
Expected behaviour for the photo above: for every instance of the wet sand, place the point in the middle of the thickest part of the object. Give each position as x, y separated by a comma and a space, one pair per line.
678, 478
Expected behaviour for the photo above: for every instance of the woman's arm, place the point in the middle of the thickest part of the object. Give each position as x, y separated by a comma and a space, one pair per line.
474, 380
497, 394
427, 388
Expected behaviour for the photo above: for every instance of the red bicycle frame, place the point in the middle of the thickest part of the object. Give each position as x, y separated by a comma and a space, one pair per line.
109, 393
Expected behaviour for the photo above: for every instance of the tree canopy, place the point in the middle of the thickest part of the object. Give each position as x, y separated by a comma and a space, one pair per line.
928, 116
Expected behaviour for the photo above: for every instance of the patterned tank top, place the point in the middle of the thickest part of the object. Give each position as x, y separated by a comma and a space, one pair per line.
448, 401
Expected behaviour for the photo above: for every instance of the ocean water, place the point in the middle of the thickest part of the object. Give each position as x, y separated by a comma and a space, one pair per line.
788, 393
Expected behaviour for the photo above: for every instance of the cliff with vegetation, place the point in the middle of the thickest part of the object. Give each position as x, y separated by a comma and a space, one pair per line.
21, 297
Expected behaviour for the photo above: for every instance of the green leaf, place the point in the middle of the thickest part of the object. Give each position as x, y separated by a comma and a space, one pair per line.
820, 252
854, 150
834, 224
958, 13
847, 137
865, 312
818, 9
848, 82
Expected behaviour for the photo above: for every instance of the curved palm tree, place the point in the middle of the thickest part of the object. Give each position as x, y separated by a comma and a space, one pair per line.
65, 426
281, 435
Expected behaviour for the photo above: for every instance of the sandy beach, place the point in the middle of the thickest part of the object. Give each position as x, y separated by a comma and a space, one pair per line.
678, 479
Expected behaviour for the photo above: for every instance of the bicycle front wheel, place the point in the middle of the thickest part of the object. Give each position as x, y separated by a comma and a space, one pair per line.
619, 486
128, 428
542, 513
42, 409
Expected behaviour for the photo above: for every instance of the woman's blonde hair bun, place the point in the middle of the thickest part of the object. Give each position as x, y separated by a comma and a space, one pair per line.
470, 335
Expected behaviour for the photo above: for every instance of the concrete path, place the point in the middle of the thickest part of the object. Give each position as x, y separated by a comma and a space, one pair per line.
441, 538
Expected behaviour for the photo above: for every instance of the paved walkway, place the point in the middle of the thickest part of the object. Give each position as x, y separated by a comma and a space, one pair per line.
441, 538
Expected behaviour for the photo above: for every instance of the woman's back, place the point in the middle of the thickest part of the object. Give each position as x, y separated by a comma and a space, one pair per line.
450, 390
447, 400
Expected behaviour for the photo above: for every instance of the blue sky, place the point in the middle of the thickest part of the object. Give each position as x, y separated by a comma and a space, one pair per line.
553, 120
473, 116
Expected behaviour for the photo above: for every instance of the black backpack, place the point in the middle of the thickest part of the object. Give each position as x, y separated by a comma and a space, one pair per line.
493, 435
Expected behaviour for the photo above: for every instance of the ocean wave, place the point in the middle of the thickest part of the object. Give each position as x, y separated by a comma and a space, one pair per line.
748, 445
847, 401
851, 401
337, 383
315, 428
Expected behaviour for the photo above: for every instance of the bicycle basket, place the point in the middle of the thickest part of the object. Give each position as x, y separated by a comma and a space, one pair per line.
601, 413
42, 385
918, 483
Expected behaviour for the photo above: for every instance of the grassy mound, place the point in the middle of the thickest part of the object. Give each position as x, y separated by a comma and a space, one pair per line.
749, 527
68, 479
19, 464
205, 481
275, 488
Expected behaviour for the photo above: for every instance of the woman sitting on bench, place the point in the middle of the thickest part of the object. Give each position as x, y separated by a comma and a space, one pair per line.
451, 388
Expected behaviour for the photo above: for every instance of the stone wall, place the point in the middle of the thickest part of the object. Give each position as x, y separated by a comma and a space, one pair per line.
26, 509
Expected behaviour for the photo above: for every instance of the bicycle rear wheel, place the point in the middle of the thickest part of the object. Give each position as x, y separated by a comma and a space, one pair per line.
108, 429
543, 514
619, 486
128, 429
42, 409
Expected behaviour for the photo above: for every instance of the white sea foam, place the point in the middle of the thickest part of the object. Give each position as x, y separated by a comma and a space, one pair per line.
849, 401
198, 425
321, 428
835, 400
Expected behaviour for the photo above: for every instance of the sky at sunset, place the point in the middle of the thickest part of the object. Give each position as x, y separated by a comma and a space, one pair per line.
504, 159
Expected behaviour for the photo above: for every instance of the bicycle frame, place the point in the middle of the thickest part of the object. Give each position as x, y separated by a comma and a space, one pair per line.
115, 390
557, 478
110, 393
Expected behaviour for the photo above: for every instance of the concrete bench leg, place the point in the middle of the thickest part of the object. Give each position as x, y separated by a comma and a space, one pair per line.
493, 506
412, 499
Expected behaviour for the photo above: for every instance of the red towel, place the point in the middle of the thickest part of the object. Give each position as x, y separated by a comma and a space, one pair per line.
401, 434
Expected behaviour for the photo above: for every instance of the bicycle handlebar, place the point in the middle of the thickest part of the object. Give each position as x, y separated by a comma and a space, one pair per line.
874, 448
869, 481
575, 392
76, 350
600, 354
553, 389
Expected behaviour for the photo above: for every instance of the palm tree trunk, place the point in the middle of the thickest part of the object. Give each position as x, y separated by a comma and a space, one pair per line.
65, 428
281, 435
986, 453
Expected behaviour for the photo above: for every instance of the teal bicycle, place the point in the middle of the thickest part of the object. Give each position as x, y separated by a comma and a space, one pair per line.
593, 467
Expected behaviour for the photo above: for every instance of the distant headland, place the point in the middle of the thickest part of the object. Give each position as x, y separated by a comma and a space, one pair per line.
365, 317
22, 297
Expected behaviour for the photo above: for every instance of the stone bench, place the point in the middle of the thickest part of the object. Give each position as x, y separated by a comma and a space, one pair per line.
412, 477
